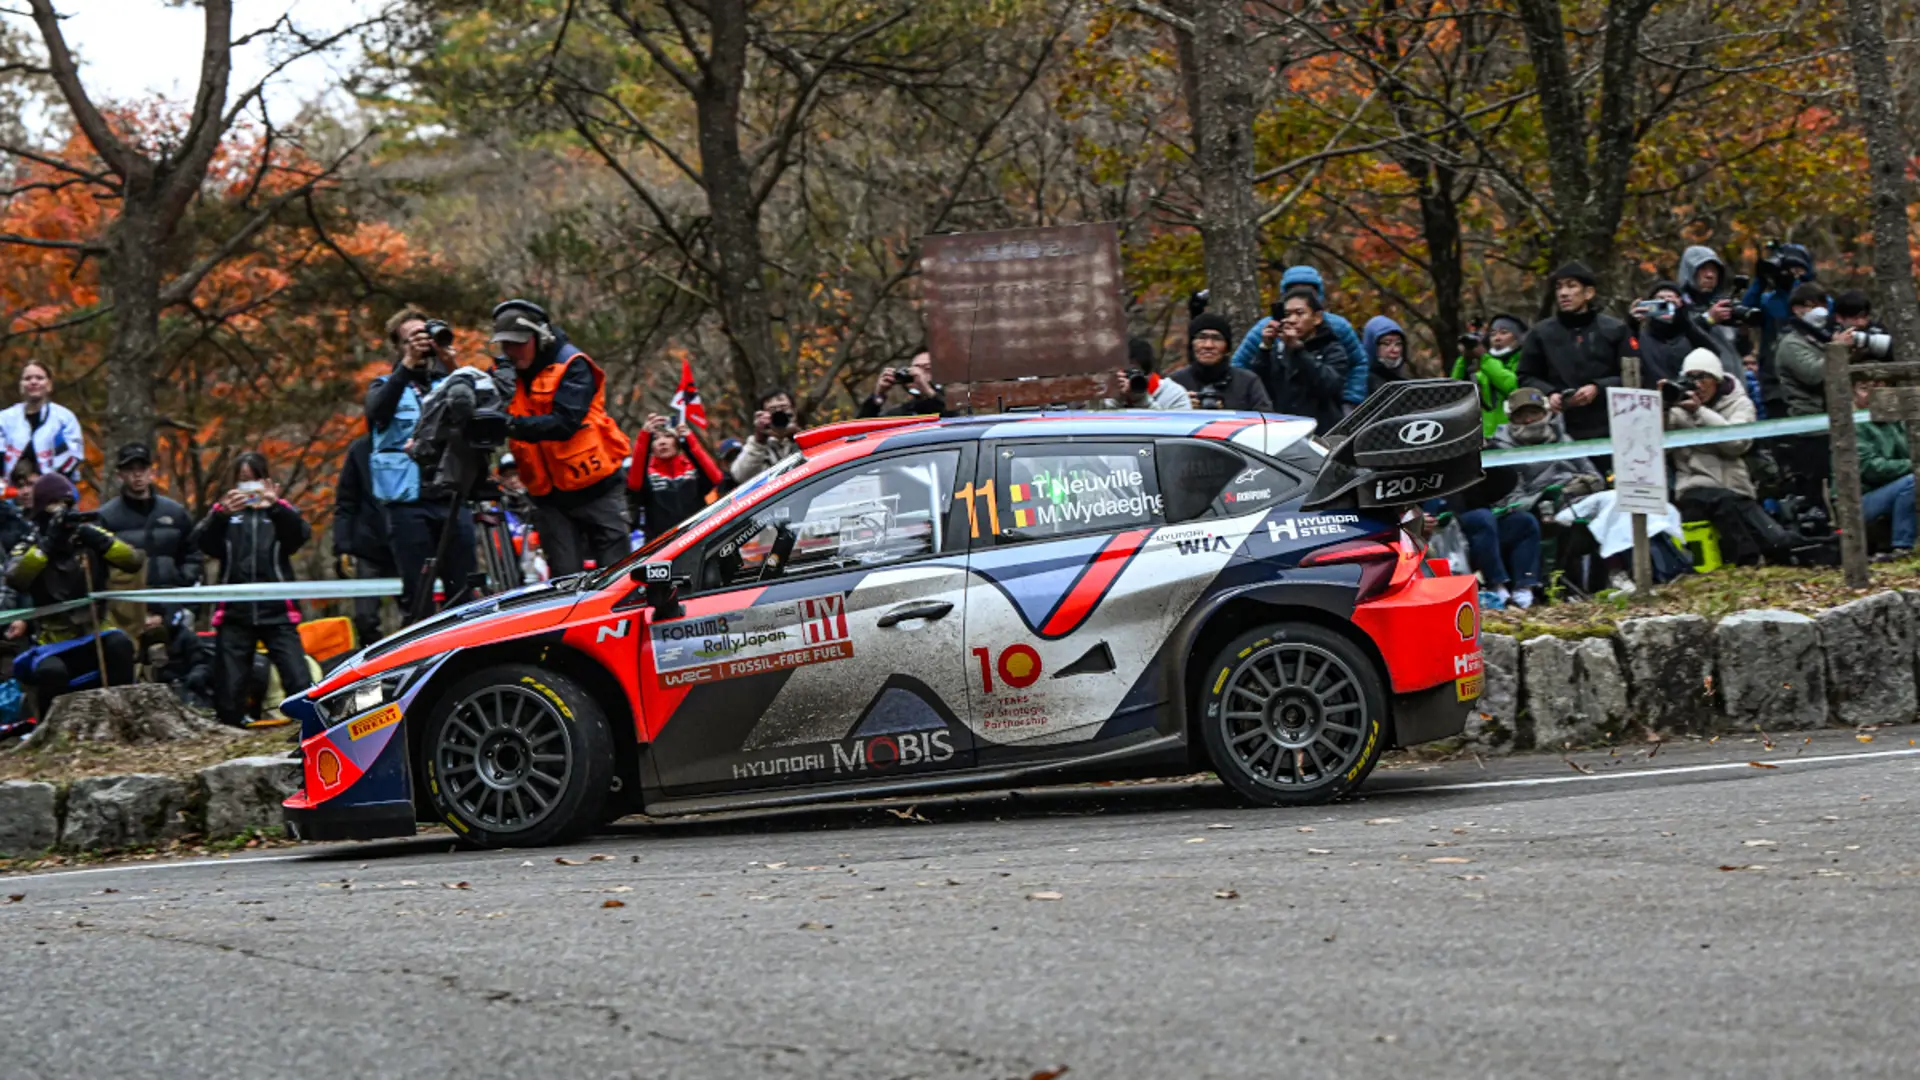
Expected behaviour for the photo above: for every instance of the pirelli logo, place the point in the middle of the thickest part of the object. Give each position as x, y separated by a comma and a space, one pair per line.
372, 722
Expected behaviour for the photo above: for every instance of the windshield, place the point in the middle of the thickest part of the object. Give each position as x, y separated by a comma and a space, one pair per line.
601, 578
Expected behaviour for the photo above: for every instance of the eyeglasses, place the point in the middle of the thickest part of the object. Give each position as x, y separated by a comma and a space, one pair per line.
1210, 335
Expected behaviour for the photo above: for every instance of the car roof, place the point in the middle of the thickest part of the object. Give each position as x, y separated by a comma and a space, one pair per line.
1267, 432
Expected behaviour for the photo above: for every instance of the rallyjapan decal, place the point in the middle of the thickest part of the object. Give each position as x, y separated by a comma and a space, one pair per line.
752, 641
851, 757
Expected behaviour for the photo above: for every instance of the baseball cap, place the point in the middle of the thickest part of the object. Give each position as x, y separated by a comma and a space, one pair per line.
1526, 397
133, 454
729, 447
515, 325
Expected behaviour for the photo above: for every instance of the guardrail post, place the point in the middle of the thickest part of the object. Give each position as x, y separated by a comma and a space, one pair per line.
1844, 442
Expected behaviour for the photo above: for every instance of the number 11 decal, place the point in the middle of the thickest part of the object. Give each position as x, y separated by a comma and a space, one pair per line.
993, 508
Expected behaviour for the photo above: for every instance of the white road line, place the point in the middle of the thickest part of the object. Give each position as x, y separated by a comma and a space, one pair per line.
156, 866
1676, 770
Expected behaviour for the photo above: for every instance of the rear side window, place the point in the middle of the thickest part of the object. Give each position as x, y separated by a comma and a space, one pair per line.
1066, 488
1207, 480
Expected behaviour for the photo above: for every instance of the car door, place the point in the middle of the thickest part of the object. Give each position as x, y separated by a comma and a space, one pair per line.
821, 637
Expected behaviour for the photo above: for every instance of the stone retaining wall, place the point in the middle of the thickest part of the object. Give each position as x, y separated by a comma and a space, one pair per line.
104, 813
1679, 674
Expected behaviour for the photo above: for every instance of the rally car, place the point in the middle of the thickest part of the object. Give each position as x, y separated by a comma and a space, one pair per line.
916, 605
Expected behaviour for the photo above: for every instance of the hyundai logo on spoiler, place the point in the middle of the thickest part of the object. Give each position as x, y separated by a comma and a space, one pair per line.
1419, 432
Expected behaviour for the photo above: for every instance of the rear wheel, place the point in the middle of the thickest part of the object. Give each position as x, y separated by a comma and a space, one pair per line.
517, 756
1293, 714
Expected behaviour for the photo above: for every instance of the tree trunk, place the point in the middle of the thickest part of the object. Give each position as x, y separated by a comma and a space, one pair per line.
1215, 65
1887, 157
131, 274
735, 216
1440, 227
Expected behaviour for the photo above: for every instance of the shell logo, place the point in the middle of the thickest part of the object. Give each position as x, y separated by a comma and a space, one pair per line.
1019, 666
1466, 622
326, 765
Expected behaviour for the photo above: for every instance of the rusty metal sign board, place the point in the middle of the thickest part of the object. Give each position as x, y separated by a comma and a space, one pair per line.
1024, 303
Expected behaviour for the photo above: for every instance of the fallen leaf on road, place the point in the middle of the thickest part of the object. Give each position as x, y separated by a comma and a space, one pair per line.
108, 892
1049, 1074
1762, 765
1043, 896
1450, 859
1863, 738
621, 888
14, 898
1759, 843
455, 885
529, 862
1219, 826
1319, 851
1744, 867
1826, 872
1385, 821
1472, 877
1304, 828
599, 858
1579, 768
1225, 894
613, 903
816, 926
1198, 840
909, 814
776, 866
564, 861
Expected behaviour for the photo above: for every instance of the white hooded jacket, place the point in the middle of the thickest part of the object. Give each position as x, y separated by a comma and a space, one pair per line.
1722, 464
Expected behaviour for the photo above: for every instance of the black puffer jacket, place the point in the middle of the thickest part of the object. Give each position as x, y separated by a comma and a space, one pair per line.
1308, 379
163, 530
359, 522
254, 546
1567, 352
1238, 388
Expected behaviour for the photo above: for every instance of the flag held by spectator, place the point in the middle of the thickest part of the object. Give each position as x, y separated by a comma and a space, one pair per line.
688, 409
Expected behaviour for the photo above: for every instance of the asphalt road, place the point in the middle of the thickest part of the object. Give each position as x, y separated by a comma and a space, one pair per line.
1688, 915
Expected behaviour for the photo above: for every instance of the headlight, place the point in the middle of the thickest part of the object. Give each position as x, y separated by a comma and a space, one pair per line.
363, 696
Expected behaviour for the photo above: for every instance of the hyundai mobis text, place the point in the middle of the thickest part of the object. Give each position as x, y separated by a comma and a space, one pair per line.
914, 605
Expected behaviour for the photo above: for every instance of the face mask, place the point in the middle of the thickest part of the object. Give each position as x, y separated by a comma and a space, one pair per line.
1534, 434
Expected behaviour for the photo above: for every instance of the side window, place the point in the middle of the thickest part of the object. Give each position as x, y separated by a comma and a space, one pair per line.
1058, 489
1206, 480
866, 514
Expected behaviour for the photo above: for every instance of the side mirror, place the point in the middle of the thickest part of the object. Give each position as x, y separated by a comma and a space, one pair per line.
662, 595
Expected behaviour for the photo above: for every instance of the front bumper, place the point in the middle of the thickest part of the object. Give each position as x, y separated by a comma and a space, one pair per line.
357, 781
347, 821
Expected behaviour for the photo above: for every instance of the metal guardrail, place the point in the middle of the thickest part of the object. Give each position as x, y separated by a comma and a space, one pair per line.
1674, 440
222, 594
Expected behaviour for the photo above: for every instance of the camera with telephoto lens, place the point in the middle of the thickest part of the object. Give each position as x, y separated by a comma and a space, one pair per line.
1475, 337
440, 332
780, 420
1872, 341
1675, 390
1136, 381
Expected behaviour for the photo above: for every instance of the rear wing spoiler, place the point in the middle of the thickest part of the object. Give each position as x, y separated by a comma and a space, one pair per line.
1411, 441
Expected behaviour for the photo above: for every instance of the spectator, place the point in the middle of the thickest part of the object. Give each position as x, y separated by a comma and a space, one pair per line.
254, 534
1492, 370
567, 448
1668, 332
1750, 372
1503, 548
1711, 482
1575, 355
40, 428
1853, 310
923, 397
1386, 351
1530, 423
729, 454
1355, 390
1800, 355
417, 505
1141, 386
1208, 378
362, 548
774, 424
1771, 291
1701, 276
1886, 472
1306, 369
65, 560
673, 480
159, 528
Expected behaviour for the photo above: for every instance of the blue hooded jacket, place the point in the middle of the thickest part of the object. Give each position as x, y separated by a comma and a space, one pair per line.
1776, 313
1356, 391
1379, 374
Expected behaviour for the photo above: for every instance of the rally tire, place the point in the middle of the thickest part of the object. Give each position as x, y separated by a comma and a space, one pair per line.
1293, 714
517, 756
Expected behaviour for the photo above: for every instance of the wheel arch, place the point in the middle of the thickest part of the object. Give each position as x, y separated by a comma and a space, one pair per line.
1325, 605
548, 651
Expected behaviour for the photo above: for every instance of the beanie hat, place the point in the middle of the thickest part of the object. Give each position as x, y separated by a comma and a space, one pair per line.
1209, 320
1508, 322
53, 488
1140, 354
1577, 271
1659, 285
1303, 276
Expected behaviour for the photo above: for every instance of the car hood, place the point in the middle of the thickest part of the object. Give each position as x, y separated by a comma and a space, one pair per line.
533, 608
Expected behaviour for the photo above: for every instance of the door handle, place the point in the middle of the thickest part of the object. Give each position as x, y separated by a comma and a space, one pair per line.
928, 609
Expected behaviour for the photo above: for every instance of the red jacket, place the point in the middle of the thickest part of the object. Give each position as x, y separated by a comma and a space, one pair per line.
667, 491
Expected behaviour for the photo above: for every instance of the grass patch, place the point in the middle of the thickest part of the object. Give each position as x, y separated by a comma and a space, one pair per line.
1805, 589
72, 761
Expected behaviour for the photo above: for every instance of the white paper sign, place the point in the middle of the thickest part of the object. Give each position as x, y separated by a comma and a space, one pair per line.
1634, 421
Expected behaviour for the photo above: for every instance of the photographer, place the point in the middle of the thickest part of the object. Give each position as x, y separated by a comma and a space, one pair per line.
1266, 330
1488, 362
1777, 272
1302, 363
1886, 474
567, 448
923, 397
1701, 275
1711, 482
1574, 356
1141, 388
774, 425
361, 546
412, 497
1208, 378
672, 478
1668, 332
254, 533
67, 558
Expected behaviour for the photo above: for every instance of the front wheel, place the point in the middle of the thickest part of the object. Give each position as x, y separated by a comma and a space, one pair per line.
1293, 715
517, 756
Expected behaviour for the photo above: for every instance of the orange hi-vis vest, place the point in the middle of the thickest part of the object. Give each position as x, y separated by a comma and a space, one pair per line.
590, 456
